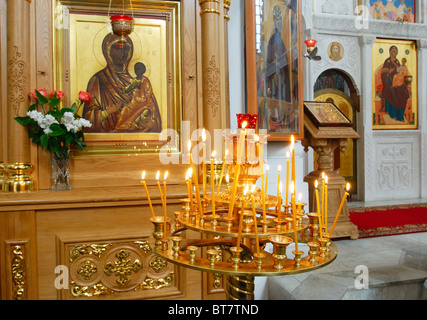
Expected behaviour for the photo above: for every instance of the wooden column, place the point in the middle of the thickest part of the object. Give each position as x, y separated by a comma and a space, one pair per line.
18, 78
212, 64
226, 121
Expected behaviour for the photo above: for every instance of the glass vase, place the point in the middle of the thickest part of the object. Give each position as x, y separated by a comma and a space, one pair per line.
61, 170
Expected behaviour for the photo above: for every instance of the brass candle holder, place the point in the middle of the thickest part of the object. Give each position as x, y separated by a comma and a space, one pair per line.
18, 178
242, 244
2, 176
280, 243
236, 251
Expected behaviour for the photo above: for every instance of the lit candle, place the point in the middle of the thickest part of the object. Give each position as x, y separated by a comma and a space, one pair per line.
346, 194
239, 237
287, 178
279, 202
237, 169
196, 180
316, 185
325, 221
266, 178
279, 169
255, 219
213, 182
190, 188
293, 159
146, 191
222, 172
204, 160
322, 210
294, 213
165, 215
163, 201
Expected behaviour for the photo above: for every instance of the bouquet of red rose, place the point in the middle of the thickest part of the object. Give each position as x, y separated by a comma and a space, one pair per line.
57, 129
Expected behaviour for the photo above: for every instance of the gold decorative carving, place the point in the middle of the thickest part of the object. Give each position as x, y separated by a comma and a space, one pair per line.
89, 291
122, 267
156, 284
114, 267
91, 249
17, 80
213, 92
217, 280
158, 264
18, 273
144, 246
87, 270
210, 10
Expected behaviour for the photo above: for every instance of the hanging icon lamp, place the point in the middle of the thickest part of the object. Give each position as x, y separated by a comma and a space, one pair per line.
122, 24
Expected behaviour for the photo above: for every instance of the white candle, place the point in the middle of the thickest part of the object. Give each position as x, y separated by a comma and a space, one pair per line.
213, 182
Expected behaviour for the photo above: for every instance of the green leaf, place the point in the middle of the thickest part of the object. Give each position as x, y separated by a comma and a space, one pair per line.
41, 98
24, 120
32, 107
57, 130
53, 145
74, 108
44, 140
54, 101
63, 110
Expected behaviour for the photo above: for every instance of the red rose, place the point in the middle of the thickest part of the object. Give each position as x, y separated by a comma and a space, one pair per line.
84, 96
59, 94
42, 92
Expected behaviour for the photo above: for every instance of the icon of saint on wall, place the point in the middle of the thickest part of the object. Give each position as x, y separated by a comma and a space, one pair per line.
121, 103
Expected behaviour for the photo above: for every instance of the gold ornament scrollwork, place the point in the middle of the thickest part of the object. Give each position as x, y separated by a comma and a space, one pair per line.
122, 267
17, 81
212, 80
18, 273
87, 270
92, 249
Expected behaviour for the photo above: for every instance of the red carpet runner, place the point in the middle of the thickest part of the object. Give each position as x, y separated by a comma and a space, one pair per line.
389, 220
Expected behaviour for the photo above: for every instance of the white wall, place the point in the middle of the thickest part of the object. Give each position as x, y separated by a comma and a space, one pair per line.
328, 21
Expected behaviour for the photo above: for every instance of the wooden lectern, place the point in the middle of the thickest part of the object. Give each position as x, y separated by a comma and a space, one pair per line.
326, 129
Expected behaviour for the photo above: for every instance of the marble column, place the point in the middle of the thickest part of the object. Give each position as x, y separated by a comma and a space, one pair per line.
422, 114
365, 148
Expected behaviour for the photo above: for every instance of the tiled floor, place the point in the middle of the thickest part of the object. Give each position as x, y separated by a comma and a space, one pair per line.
395, 264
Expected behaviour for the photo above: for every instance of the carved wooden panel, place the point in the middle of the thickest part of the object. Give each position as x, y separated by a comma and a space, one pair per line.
114, 269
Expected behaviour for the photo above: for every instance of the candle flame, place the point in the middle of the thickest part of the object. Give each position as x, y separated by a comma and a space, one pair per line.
256, 138
292, 139
299, 196
287, 155
326, 179
253, 188
213, 154
189, 174
348, 187
165, 176
244, 124
189, 145
279, 168
143, 175
267, 167
280, 188
158, 175
246, 190
204, 135
323, 175
316, 184
292, 187
226, 152
227, 178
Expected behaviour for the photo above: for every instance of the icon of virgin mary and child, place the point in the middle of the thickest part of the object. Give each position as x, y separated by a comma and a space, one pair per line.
121, 103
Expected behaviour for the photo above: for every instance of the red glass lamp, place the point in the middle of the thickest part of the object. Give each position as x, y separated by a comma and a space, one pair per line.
311, 44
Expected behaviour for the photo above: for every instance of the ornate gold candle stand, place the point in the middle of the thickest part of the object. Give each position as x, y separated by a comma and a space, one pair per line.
18, 178
243, 261
2, 176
